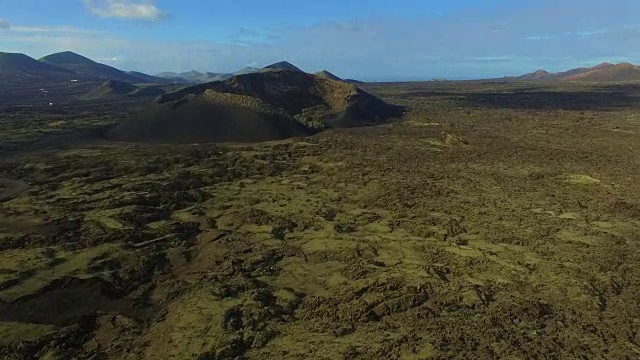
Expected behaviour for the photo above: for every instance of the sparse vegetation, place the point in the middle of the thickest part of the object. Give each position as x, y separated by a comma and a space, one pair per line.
478, 226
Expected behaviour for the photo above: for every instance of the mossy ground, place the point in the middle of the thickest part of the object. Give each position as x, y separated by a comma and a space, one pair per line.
383, 242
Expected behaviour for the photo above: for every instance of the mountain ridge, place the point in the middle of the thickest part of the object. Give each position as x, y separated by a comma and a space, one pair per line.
261, 106
602, 72
86, 67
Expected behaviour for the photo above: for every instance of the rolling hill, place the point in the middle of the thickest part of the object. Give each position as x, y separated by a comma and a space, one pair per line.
270, 105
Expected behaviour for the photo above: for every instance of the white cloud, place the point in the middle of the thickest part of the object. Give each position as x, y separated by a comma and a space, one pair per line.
540, 37
112, 59
52, 29
4, 24
125, 9
591, 32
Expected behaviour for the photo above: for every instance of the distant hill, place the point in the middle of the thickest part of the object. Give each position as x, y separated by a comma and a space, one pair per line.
282, 65
22, 68
115, 88
21, 62
536, 75
173, 77
583, 70
88, 68
147, 78
601, 73
218, 76
354, 82
327, 75
619, 72
168, 74
246, 70
261, 106
195, 77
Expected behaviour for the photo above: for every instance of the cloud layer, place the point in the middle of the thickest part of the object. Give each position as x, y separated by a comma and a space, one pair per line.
125, 9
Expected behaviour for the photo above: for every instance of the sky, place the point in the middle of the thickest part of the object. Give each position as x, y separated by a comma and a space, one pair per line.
372, 40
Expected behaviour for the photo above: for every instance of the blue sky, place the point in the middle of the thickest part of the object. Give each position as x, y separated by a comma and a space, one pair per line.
364, 39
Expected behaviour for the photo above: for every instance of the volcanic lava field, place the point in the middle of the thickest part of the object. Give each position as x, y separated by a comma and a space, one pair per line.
488, 221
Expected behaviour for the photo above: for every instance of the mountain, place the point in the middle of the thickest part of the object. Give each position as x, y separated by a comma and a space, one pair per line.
147, 78
168, 75
88, 68
327, 75
282, 65
600, 73
195, 77
618, 72
536, 75
603, 65
22, 68
115, 88
253, 107
21, 62
583, 70
173, 77
218, 76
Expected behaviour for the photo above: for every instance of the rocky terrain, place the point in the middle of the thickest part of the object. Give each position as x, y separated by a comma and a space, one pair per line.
491, 221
